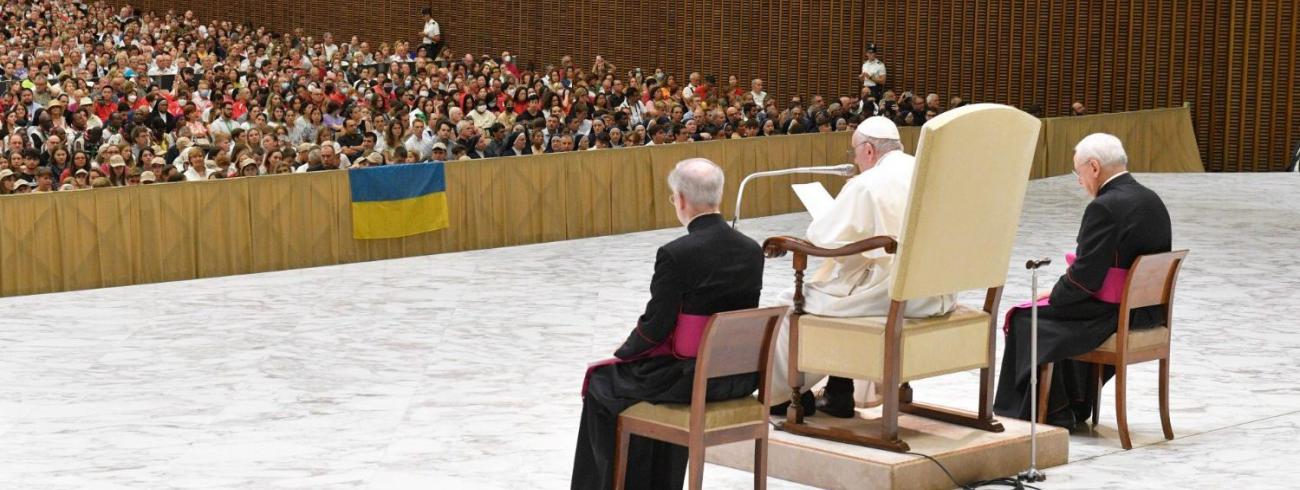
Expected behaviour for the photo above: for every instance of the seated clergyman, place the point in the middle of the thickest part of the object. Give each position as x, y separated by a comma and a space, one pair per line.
711, 269
1124, 220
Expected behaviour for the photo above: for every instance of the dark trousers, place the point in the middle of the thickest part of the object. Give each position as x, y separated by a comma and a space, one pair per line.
1063, 332
652, 464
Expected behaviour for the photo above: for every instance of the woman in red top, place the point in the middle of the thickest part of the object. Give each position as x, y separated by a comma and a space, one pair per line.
520, 100
240, 106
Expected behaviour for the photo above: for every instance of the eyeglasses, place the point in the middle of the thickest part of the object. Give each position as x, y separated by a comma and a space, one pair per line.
853, 152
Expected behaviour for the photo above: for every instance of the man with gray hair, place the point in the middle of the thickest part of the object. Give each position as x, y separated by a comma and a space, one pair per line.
872, 203
1124, 221
712, 269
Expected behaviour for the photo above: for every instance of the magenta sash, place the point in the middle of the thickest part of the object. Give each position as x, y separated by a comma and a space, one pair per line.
1112, 290
683, 343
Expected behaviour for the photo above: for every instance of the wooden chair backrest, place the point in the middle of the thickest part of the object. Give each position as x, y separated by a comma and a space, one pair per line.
737, 342
1151, 280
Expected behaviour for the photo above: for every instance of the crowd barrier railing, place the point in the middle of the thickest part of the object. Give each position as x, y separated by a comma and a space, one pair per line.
67, 241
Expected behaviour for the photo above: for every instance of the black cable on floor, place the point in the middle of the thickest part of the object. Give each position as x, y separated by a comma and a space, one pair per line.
1006, 482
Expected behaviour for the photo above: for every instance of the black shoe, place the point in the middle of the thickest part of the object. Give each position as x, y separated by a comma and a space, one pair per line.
837, 404
806, 400
1065, 419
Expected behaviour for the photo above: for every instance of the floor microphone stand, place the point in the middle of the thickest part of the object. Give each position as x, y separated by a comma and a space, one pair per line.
1033, 474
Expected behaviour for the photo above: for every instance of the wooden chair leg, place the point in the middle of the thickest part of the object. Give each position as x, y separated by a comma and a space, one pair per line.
760, 463
889, 414
1096, 391
1121, 414
1164, 399
1044, 389
696, 461
620, 457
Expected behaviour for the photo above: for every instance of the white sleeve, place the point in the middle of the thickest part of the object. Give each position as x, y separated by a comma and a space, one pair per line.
849, 219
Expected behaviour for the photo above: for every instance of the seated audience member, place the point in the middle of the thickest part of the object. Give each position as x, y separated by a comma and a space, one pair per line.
1123, 221
711, 269
162, 93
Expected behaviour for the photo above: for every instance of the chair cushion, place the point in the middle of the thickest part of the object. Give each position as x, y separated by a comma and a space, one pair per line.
1140, 339
717, 415
855, 347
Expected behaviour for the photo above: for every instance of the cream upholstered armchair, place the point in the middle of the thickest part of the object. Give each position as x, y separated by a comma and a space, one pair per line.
972, 167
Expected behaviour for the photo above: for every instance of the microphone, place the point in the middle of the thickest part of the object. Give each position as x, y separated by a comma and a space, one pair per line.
1035, 264
846, 170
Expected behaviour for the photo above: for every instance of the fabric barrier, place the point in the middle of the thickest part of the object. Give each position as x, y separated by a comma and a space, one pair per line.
135, 235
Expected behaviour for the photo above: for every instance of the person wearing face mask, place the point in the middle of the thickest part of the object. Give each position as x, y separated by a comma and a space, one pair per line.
508, 64
1125, 220
481, 116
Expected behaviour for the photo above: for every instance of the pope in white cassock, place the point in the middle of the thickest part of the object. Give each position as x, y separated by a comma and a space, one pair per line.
870, 204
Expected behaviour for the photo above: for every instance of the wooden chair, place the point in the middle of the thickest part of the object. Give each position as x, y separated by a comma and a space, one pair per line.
735, 342
1150, 282
972, 169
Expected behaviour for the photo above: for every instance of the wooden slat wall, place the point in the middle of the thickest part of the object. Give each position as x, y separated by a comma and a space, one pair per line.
1234, 61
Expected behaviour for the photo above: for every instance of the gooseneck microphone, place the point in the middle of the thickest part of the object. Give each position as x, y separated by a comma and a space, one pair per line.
1035, 264
846, 169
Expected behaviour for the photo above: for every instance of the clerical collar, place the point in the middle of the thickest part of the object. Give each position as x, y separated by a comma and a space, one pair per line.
702, 220
1103, 184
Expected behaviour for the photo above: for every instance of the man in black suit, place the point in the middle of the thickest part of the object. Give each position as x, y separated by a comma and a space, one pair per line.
1124, 220
710, 270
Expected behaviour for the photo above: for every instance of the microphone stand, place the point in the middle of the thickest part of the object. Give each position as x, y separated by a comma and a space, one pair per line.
847, 170
1033, 474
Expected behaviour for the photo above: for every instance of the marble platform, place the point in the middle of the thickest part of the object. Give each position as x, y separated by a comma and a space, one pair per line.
969, 455
461, 371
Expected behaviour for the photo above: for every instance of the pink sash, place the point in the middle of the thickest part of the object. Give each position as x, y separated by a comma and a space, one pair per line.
1112, 290
683, 343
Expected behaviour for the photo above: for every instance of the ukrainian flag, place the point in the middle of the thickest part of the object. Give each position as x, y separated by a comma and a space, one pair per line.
398, 200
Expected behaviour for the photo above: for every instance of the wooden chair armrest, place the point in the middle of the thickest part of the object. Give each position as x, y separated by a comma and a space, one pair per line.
777, 246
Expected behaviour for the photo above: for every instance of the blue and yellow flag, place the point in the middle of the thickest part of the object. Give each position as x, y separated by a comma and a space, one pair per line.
394, 201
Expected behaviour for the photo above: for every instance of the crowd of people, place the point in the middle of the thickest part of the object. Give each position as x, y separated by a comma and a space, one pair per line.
95, 97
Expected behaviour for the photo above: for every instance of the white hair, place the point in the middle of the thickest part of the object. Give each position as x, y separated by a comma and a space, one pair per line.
699, 180
1105, 148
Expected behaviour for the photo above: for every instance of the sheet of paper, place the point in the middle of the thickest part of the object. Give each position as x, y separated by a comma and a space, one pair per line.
814, 197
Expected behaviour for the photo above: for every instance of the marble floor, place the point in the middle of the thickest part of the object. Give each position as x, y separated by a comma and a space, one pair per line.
462, 370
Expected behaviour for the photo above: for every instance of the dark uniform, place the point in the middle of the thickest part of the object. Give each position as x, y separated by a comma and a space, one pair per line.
710, 270
1126, 220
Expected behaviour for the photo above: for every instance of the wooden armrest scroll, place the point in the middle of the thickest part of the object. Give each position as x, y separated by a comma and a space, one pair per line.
777, 246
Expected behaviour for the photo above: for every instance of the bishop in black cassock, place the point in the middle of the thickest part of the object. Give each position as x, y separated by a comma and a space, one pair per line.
1125, 220
712, 269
